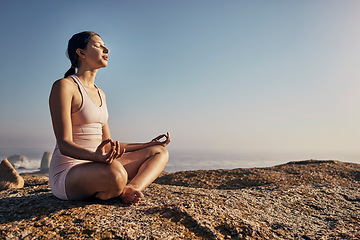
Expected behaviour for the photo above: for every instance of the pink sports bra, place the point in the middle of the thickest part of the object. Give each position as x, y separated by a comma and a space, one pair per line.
88, 120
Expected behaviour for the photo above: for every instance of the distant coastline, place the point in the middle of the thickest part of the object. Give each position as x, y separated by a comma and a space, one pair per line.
183, 160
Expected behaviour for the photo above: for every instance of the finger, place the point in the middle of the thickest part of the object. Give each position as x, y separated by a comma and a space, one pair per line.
111, 157
123, 151
117, 149
166, 136
120, 151
167, 140
111, 151
107, 156
100, 151
160, 136
114, 146
103, 143
114, 153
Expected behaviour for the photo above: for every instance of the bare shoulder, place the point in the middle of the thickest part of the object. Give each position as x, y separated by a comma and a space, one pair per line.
64, 83
102, 93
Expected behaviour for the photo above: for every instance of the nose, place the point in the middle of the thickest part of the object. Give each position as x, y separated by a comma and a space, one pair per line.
106, 50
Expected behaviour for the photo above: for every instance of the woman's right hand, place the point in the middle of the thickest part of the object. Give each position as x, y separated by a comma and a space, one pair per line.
116, 151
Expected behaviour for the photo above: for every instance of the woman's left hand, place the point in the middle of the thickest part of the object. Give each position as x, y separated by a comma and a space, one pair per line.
164, 142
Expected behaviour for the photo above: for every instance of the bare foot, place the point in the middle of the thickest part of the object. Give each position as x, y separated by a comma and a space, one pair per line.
131, 195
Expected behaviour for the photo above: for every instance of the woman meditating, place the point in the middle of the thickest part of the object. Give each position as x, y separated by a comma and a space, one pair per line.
86, 162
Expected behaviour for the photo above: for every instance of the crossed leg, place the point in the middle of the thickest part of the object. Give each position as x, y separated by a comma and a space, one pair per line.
143, 167
95, 179
126, 177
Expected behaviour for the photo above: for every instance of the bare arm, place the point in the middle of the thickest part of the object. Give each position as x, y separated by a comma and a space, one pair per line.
60, 101
130, 147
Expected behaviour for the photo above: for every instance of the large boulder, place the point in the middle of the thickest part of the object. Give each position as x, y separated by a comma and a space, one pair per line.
9, 178
19, 161
45, 161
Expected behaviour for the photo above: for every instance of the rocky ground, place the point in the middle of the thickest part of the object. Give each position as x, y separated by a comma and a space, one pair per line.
298, 200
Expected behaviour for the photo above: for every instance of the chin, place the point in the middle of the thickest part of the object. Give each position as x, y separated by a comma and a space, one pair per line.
103, 65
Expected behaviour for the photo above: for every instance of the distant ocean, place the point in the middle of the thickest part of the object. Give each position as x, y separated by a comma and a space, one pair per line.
182, 160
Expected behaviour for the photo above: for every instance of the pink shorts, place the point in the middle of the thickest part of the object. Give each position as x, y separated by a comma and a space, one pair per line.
60, 165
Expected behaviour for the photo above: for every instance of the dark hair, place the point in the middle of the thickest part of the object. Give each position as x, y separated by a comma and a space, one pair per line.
79, 40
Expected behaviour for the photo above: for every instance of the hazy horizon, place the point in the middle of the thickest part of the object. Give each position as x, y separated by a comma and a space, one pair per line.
190, 159
253, 77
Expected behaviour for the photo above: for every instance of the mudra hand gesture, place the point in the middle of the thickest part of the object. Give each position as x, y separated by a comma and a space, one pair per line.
164, 142
115, 151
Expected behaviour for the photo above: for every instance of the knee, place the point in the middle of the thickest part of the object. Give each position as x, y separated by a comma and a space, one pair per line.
117, 178
161, 151
158, 149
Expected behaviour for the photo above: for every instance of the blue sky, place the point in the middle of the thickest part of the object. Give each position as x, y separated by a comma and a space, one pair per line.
245, 76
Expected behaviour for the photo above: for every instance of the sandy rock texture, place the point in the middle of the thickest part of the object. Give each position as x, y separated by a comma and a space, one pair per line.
298, 200
9, 178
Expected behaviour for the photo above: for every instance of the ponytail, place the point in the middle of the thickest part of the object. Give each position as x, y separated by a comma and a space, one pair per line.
71, 71
79, 40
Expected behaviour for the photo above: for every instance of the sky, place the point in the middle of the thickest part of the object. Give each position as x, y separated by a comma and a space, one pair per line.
270, 77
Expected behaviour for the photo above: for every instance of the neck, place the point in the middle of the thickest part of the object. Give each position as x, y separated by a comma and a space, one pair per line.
87, 76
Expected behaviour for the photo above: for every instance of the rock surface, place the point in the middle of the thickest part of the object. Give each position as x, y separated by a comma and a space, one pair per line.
19, 161
45, 161
299, 200
9, 178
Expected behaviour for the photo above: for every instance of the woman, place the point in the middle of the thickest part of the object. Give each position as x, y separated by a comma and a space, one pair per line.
86, 162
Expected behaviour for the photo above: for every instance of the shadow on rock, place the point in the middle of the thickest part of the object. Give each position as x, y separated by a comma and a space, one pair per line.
39, 202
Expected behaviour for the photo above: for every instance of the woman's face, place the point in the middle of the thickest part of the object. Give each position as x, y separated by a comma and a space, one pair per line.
96, 54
